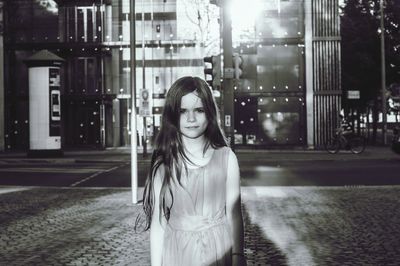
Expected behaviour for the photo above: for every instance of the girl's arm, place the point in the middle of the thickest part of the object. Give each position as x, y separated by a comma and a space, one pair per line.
233, 210
156, 227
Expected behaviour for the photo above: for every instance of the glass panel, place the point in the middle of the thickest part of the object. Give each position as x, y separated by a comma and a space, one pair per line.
246, 119
71, 24
80, 24
172, 39
279, 67
281, 19
89, 25
279, 120
271, 47
99, 25
80, 85
32, 21
91, 75
268, 120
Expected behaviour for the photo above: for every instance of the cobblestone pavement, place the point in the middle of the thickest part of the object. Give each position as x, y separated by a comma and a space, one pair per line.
283, 226
322, 225
70, 227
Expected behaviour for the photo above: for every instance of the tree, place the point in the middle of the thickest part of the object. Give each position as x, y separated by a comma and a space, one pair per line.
360, 49
392, 31
201, 23
361, 60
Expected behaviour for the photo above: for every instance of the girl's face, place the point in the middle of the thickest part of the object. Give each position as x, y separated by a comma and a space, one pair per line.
193, 120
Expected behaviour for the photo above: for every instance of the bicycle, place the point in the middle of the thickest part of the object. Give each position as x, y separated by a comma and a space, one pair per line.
348, 140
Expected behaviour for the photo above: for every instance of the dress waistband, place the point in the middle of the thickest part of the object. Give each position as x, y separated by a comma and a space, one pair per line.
196, 222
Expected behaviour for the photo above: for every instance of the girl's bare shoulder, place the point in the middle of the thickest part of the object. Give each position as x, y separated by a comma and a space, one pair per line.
224, 149
227, 150
232, 158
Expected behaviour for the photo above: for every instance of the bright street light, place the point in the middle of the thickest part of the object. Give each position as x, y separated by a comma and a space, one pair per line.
244, 14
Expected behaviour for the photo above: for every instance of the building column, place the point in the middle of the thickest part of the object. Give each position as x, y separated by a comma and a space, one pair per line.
116, 123
309, 73
324, 71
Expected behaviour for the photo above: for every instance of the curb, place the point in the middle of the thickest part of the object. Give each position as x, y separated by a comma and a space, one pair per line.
20, 160
244, 155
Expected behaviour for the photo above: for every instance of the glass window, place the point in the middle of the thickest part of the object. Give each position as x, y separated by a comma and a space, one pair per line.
32, 21
279, 120
172, 39
281, 19
271, 47
280, 68
268, 120
83, 23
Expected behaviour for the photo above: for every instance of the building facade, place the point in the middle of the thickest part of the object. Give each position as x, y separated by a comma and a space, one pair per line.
288, 95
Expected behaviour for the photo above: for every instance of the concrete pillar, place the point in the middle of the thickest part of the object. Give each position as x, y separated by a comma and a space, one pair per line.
116, 123
309, 73
323, 71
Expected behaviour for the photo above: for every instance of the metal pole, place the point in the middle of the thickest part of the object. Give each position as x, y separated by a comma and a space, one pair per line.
383, 79
228, 81
2, 108
134, 173
144, 82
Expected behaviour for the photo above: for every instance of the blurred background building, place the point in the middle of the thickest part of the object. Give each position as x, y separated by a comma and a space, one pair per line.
288, 94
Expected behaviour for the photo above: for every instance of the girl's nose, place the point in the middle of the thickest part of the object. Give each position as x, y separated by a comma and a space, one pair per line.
191, 117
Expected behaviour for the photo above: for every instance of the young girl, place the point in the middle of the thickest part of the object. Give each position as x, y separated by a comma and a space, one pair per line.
192, 194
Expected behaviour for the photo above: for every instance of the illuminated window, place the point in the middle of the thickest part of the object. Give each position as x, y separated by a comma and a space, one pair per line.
84, 23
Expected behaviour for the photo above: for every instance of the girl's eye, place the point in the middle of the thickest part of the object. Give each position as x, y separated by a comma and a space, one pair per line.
200, 110
182, 111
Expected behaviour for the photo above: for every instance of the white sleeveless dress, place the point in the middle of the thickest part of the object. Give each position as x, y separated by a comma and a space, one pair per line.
197, 233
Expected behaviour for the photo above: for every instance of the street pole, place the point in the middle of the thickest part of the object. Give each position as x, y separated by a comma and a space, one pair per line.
144, 143
134, 173
383, 79
228, 82
2, 117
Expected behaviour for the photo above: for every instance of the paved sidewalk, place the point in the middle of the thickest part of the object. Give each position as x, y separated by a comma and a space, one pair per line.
122, 154
283, 226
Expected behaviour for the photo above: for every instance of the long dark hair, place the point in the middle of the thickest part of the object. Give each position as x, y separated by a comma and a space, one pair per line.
168, 148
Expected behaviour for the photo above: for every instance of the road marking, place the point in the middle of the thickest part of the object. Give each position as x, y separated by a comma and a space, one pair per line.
94, 175
49, 170
4, 190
